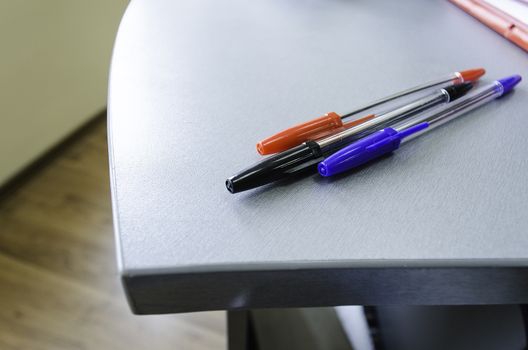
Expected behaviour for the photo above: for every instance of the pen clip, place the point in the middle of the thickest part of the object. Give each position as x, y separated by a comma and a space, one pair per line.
314, 129
366, 149
398, 136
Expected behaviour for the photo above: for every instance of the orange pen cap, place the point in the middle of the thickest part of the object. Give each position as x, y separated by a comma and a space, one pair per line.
313, 129
472, 74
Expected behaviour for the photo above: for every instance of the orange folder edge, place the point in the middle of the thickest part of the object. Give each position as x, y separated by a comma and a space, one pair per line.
507, 26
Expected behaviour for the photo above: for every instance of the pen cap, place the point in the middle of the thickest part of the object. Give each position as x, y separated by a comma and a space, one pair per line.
310, 130
298, 134
278, 166
366, 149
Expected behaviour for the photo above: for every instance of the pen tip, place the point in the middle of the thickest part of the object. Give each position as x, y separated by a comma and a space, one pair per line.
509, 83
472, 74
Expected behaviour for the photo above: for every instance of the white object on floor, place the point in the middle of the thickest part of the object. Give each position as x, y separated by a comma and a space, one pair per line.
356, 327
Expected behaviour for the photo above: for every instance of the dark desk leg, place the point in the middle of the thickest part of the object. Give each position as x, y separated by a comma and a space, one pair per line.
394, 327
240, 335
286, 329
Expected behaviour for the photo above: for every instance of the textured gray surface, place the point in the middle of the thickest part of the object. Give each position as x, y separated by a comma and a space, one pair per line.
195, 84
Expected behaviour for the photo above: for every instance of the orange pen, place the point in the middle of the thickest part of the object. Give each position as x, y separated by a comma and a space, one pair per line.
332, 122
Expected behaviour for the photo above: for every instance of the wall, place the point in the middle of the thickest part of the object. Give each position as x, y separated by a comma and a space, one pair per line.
54, 62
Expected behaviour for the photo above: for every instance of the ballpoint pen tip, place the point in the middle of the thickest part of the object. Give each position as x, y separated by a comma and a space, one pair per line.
472, 74
509, 83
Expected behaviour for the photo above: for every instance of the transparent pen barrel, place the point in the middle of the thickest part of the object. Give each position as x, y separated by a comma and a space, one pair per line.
383, 120
452, 110
438, 83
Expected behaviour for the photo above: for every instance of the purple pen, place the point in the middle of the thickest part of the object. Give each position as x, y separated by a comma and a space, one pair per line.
389, 139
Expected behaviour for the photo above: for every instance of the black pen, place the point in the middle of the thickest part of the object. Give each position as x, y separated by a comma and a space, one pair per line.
307, 155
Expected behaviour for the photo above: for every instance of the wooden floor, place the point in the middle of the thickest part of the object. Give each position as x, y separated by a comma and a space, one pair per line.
58, 283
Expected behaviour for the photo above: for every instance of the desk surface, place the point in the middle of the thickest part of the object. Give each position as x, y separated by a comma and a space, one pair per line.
194, 85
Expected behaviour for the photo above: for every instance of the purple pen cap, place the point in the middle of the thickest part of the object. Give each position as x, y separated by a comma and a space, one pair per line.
509, 83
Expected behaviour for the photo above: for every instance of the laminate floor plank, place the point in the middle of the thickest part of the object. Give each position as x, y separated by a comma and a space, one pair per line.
58, 281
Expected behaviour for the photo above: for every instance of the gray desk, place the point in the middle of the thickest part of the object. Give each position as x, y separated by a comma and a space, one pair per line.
194, 84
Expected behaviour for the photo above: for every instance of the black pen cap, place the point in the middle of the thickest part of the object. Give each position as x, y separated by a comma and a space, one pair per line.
276, 167
458, 90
